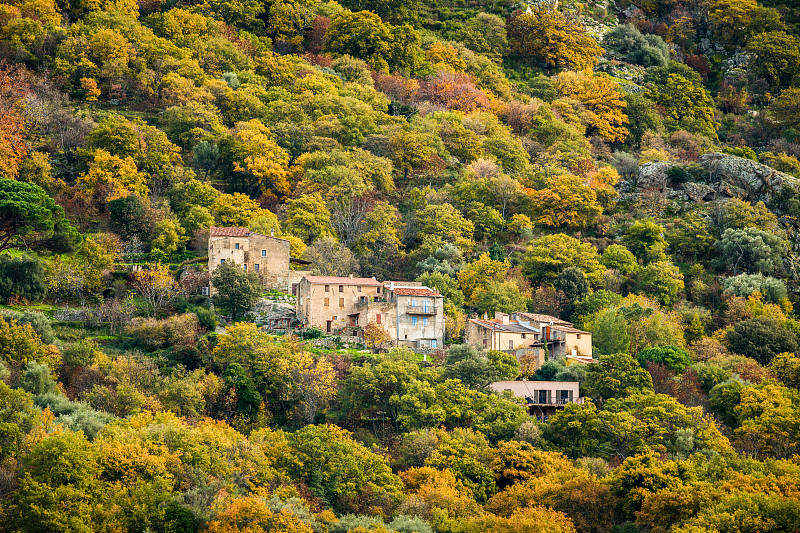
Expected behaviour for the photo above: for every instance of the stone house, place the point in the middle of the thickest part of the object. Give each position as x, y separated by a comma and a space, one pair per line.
334, 303
418, 314
543, 398
266, 255
528, 334
412, 314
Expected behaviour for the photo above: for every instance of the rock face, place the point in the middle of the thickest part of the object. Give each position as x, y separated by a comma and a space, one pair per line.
728, 177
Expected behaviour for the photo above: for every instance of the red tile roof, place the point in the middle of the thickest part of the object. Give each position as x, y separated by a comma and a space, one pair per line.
334, 280
229, 232
415, 291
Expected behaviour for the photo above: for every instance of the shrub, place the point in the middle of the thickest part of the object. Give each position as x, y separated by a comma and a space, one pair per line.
36, 379
673, 357
150, 333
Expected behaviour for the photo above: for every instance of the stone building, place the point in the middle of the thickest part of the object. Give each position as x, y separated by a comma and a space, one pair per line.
334, 303
411, 313
529, 334
266, 255
418, 314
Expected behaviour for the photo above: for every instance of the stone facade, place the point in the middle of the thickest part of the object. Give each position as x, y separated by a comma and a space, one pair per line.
528, 334
266, 255
333, 303
413, 315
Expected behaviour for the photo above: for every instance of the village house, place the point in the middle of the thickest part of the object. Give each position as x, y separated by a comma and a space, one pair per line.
529, 334
543, 398
418, 314
411, 313
334, 303
266, 255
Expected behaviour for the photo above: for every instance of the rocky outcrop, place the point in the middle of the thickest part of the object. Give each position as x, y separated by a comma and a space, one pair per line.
759, 182
727, 176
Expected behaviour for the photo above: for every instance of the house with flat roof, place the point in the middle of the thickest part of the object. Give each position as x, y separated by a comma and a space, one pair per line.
543, 398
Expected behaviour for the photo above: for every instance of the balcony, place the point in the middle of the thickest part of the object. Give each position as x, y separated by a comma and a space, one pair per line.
429, 310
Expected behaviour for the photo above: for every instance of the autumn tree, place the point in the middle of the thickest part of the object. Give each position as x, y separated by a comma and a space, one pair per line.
565, 202
549, 38
308, 218
375, 336
602, 97
157, 287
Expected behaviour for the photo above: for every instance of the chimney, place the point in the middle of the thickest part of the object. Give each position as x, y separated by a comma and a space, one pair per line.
502, 317
391, 285
272, 232
351, 276
485, 316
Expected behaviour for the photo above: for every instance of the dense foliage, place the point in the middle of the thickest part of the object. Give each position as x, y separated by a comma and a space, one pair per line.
631, 167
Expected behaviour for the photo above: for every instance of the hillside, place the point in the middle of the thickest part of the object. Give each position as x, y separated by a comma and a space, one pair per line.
603, 194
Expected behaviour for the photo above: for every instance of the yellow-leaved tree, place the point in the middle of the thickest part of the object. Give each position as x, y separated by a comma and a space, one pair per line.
602, 97
254, 152
111, 177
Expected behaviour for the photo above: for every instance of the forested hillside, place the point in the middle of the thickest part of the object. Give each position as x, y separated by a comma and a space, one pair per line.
632, 167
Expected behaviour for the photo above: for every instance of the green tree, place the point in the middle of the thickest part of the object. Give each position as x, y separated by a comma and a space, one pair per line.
550, 255
236, 290
29, 218
761, 338
21, 277
616, 376
617, 257
687, 104
775, 57
660, 279
308, 218
363, 35
673, 357
19, 417
749, 249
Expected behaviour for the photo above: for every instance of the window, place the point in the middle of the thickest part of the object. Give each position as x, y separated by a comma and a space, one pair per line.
424, 321
358, 288
579, 336
256, 267
485, 343
510, 345
341, 288
341, 302
326, 302
413, 303
263, 253
236, 245
245, 266
327, 288
221, 261
378, 318
542, 396
378, 290
433, 343
413, 321
523, 335
362, 299
425, 305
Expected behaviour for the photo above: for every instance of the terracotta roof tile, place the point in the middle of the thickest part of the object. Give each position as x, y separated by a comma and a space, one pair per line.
536, 317
333, 280
229, 232
415, 291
